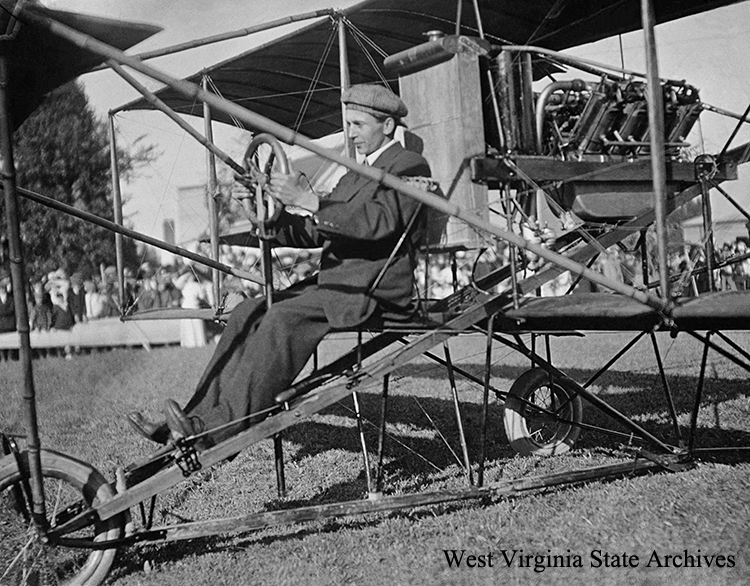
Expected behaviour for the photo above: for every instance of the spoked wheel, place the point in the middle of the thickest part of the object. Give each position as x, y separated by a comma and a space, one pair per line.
267, 210
69, 485
541, 414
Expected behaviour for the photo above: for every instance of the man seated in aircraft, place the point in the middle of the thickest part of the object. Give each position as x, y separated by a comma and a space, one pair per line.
358, 225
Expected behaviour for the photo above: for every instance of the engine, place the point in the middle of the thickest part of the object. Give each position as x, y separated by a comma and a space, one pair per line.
577, 120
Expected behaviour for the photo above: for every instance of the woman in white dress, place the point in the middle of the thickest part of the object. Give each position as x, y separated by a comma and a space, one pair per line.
192, 331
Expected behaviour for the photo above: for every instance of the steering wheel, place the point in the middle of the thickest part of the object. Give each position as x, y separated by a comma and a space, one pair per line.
267, 208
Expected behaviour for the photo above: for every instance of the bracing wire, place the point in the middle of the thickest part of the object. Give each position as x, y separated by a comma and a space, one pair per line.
315, 79
353, 28
215, 89
609, 8
360, 38
429, 18
167, 180
554, 9
429, 367
439, 433
393, 438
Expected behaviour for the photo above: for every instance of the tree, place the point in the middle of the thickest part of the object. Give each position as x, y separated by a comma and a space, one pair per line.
62, 151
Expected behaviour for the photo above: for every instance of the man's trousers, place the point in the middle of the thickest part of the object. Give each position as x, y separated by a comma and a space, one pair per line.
259, 355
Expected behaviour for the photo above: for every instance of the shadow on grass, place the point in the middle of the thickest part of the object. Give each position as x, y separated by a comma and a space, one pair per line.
638, 397
131, 561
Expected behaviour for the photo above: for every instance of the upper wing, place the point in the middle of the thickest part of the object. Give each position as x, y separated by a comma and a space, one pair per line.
295, 80
39, 61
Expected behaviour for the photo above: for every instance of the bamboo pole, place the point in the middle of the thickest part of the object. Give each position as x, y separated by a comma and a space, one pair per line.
18, 281
584, 64
117, 206
291, 137
655, 103
731, 200
212, 185
345, 81
742, 120
708, 235
244, 32
118, 229
162, 107
490, 81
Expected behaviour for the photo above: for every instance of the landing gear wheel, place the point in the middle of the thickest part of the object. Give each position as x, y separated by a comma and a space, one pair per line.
267, 210
68, 483
540, 414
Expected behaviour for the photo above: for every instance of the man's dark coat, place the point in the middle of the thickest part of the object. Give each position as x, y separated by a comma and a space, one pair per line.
359, 226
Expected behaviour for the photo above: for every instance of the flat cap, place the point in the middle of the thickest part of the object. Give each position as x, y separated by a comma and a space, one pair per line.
374, 99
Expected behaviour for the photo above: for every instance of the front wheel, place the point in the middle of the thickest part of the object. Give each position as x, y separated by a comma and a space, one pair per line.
69, 485
542, 414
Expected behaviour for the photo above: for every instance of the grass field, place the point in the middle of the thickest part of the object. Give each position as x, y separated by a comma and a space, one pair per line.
696, 515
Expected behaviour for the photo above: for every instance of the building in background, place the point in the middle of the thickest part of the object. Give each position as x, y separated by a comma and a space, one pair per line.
727, 228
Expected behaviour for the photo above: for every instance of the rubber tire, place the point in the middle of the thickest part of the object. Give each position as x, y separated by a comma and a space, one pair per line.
516, 415
92, 487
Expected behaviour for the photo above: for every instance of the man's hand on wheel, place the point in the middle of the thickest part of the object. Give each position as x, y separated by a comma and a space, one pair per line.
291, 190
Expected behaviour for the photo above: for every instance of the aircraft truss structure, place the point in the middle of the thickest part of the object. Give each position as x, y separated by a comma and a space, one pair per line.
604, 151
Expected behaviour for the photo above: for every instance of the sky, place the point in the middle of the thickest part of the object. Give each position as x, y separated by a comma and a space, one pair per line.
709, 51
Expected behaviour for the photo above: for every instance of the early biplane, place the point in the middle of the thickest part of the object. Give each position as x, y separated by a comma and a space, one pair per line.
606, 148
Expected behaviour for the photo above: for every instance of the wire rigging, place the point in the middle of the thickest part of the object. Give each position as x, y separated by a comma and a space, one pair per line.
315, 79
215, 89
361, 39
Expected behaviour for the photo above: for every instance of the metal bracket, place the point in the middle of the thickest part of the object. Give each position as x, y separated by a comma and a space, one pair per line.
22, 491
8, 445
706, 167
186, 457
672, 462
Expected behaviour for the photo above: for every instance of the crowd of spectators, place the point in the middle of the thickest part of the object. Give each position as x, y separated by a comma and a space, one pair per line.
734, 276
686, 265
7, 310
731, 267
58, 300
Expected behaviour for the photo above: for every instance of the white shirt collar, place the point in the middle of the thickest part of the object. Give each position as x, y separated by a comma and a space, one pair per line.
372, 157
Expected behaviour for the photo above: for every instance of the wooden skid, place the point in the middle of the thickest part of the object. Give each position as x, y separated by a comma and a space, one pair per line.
509, 488
390, 503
